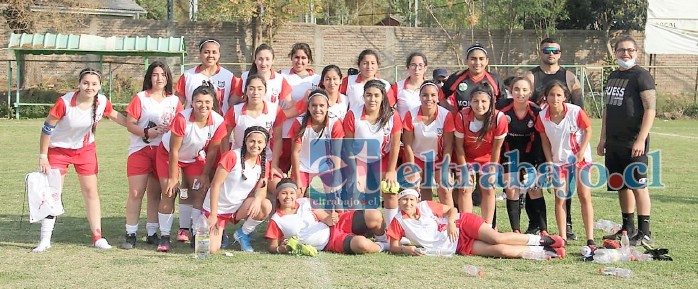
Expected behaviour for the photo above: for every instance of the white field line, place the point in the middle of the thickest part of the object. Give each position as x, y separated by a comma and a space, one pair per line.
674, 135
319, 274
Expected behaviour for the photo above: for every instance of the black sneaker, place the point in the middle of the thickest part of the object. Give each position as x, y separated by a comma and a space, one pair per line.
641, 238
130, 242
570, 234
152, 239
164, 244
617, 235
533, 230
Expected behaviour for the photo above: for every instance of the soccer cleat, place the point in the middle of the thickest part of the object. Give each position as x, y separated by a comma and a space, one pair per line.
617, 235
130, 242
164, 244
244, 240
555, 252
183, 235
102, 244
570, 234
641, 239
152, 239
533, 230
553, 241
293, 244
307, 250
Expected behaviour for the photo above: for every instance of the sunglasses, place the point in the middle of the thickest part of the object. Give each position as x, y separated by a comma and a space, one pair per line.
553, 50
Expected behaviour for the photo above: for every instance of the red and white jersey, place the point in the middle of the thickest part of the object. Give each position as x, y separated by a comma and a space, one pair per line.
277, 87
195, 139
333, 129
299, 85
146, 110
339, 109
479, 152
223, 81
362, 129
565, 137
238, 119
406, 99
74, 127
428, 230
303, 224
235, 189
353, 87
428, 137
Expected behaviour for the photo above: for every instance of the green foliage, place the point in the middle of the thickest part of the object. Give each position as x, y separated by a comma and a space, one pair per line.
606, 14
157, 9
691, 110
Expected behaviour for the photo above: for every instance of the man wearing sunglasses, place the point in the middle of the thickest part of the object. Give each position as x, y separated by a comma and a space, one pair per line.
549, 70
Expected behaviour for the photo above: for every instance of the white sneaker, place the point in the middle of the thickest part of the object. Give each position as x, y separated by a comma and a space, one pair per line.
102, 244
41, 248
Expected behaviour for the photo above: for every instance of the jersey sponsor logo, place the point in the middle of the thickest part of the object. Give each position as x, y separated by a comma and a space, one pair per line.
463, 103
615, 90
463, 86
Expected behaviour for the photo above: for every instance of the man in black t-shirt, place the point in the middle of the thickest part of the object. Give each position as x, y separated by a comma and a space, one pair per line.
627, 119
549, 70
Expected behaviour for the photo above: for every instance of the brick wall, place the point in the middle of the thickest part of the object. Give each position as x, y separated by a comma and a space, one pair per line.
341, 45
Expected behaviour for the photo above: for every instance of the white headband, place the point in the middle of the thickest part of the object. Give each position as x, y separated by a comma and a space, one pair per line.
207, 41
317, 93
408, 192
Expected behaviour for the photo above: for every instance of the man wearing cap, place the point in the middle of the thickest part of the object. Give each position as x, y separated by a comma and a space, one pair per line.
440, 230
439, 76
549, 70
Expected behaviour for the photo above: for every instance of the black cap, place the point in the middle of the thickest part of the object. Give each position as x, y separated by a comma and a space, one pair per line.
440, 72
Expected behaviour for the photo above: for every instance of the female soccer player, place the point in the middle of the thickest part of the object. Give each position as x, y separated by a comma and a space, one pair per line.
330, 80
209, 70
465, 233
297, 228
374, 120
428, 137
150, 114
458, 88
192, 144
521, 145
565, 132
353, 85
406, 91
278, 91
239, 190
68, 137
312, 131
480, 132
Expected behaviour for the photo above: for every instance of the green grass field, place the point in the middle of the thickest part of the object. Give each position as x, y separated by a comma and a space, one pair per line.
72, 262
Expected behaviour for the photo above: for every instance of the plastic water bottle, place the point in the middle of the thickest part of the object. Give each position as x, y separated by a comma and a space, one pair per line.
588, 251
614, 271
473, 271
625, 249
607, 226
536, 255
435, 252
605, 256
203, 241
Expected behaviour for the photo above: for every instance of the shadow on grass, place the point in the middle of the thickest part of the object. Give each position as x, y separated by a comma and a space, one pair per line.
19, 233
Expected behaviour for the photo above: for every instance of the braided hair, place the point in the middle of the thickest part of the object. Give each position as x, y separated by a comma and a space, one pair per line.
306, 116
263, 155
485, 88
207, 88
84, 72
385, 113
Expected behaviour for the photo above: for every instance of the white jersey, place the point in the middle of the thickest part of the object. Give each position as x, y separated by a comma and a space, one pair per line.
339, 109
429, 231
148, 113
406, 99
277, 87
428, 138
223, 81
74, 127
300, 86
565, 137
235, 189
195, 139
353, 87
302, 224
333, 130
356, 124
238, 119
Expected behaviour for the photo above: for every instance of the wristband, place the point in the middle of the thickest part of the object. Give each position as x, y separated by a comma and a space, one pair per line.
43, 156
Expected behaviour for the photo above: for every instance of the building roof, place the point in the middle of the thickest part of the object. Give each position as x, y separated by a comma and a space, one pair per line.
104, 7
90, 44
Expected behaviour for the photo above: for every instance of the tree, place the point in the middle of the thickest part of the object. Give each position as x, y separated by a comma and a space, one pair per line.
606, 15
